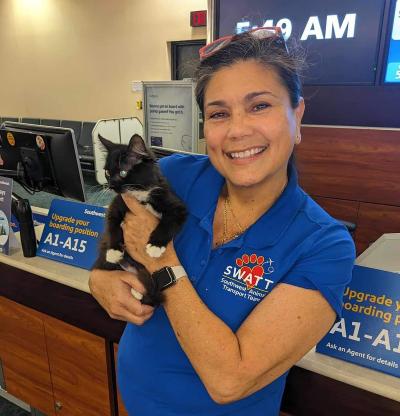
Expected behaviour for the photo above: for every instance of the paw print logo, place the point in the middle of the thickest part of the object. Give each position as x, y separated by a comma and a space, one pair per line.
251, 269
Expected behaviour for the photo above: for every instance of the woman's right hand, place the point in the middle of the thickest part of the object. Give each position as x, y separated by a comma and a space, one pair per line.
112, 289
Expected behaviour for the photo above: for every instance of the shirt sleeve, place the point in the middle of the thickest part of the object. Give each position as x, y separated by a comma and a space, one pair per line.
181, 170
327, 266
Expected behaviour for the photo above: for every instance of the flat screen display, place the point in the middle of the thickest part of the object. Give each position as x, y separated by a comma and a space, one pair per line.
341, 37
393, 61
43, 158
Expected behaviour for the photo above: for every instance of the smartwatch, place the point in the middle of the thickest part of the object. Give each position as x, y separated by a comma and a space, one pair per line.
167, 276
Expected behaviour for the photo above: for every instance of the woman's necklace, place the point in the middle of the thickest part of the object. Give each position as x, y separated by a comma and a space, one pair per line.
240, 230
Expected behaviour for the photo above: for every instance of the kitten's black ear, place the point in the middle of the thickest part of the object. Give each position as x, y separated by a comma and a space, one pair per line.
106, 143
137, 145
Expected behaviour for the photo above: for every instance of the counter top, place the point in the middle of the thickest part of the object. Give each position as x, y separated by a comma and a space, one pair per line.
364, 378
56, 271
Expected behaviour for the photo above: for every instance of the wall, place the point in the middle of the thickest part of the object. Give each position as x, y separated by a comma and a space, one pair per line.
75, 59
354, 174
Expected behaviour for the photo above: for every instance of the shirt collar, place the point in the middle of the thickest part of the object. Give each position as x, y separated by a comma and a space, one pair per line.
271, 226
267, 230
204, 193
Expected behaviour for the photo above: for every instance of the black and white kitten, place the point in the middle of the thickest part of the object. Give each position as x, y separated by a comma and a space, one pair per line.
133, 169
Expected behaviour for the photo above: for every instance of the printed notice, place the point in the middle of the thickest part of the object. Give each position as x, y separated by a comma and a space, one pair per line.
72, 232
169, 116
368, 333
6, 185
396, 22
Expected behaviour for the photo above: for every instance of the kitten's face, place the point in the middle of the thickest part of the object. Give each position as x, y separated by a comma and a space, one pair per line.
122, 163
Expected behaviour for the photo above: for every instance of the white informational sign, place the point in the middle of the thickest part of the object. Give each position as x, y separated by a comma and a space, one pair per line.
6, 185
396, 22
171, 115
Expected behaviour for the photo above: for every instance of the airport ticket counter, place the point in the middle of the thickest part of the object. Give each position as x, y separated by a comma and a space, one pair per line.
58, 350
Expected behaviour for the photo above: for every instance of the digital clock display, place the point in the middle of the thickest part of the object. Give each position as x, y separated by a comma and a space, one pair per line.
340, 37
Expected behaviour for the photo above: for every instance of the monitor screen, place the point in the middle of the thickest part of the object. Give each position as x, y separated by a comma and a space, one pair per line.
341, 37
392, 73
41, 158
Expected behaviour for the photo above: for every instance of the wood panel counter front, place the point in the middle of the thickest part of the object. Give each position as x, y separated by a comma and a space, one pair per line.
56, 342
47, 313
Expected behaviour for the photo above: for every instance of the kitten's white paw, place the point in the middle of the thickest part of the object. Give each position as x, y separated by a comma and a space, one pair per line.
137, 295
114, 256
154, 251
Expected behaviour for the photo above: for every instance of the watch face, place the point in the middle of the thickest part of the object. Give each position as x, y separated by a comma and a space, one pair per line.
164, 278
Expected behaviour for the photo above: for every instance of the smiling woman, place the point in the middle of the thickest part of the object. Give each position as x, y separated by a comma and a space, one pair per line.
251, 132
251, 129
265, 266
252, 108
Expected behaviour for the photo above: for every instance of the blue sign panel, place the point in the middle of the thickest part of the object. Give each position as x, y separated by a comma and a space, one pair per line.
369, 332
72, 232
393, 61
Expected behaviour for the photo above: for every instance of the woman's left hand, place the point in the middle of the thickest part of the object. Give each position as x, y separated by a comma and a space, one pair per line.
138, 224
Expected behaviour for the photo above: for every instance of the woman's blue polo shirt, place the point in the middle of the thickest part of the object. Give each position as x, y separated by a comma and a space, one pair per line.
295, 242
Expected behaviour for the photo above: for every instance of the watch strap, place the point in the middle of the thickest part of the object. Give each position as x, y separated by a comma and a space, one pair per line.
178, 271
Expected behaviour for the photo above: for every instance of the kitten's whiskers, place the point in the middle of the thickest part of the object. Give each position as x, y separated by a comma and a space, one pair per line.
104, 196
135, 185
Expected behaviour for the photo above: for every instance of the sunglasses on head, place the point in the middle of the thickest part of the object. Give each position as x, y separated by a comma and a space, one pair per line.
259, 33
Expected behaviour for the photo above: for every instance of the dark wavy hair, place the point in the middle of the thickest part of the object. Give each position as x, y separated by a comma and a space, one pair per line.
268, 52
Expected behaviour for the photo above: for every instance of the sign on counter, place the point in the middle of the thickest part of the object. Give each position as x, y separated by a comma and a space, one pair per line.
38, 219
72, 232
171, 115
6, 185
368, 333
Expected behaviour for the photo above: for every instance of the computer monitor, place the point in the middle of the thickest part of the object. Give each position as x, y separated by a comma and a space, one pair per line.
41, 158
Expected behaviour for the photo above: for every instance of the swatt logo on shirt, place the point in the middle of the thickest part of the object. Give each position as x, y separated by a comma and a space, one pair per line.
247, 278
